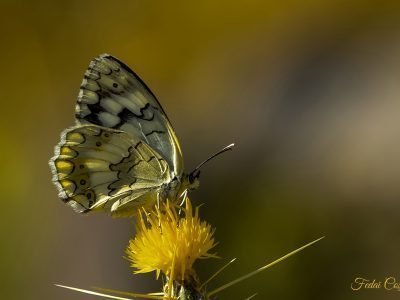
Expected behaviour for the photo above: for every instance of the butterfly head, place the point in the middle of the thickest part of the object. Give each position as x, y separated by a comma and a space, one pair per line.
193, 180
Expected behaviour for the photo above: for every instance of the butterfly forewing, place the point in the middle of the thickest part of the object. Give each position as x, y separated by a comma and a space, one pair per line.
98, 168
113, 96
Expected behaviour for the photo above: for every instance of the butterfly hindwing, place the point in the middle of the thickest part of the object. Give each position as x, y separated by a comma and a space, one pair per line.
113, 96
98, 168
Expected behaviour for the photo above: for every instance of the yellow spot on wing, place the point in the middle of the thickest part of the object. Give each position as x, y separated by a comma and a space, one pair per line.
64, 167
67, 151
75, 137
68, 186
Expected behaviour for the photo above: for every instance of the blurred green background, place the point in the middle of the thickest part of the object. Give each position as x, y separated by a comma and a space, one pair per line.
309, 92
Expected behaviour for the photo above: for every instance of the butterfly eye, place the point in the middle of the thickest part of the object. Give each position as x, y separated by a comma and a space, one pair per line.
193, 176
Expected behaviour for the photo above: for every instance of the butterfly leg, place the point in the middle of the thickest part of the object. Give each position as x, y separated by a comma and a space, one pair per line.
184, 197
158, 208
158, 201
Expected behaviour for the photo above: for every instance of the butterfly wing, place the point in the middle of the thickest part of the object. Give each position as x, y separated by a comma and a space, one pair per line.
98, 168
113, 96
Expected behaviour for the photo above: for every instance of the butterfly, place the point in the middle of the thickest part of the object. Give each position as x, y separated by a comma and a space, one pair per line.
122, 154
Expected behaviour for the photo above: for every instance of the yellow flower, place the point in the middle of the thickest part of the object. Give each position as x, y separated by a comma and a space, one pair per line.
170, 242
170, 239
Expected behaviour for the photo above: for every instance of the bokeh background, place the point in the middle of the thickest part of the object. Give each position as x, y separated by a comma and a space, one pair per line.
309, 92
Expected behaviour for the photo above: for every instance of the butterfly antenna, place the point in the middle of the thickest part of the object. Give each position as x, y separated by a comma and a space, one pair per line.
229, 147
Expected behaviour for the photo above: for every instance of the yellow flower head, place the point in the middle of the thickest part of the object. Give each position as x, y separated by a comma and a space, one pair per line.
170, 242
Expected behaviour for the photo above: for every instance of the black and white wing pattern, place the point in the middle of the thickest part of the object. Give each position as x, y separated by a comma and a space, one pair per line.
122, 153
113, 96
